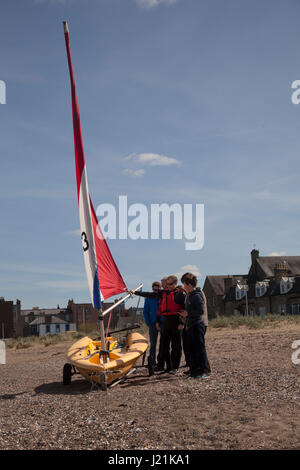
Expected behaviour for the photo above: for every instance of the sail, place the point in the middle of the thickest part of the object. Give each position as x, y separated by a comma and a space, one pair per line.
104, 278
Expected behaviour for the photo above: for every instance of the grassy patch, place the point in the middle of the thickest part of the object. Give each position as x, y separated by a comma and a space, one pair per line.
254, 322
48, 340
28, 341
89, 329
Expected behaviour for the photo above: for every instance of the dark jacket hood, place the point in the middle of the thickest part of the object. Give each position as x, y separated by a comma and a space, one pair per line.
194, 307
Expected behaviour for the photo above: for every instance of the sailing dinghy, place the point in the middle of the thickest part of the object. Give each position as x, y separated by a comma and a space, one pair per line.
108, 359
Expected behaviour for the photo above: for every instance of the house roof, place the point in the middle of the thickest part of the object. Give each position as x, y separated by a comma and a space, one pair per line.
43, 311
46, 320
217, 282
268, 264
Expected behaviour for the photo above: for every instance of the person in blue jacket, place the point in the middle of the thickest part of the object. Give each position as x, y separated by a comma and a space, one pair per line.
150, 313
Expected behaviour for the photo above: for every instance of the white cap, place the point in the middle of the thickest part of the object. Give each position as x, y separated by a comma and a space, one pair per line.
66, 28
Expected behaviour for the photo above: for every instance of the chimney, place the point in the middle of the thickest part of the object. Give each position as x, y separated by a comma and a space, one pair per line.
228, 283
254, 256
280, 271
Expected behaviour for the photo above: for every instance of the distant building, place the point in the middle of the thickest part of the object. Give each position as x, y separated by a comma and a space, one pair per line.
272, 285
135, 315
39, 321
215, 288
11, 324
49, 325
85, 313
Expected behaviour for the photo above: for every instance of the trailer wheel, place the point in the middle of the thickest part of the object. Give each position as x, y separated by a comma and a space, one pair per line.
67, 374
150, 366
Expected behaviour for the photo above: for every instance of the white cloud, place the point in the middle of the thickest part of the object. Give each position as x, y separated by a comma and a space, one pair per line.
135, 173
188, 268
153, 3
153, 159
277, 253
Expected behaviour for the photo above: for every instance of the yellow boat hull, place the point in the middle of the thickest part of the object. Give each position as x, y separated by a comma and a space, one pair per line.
84, 356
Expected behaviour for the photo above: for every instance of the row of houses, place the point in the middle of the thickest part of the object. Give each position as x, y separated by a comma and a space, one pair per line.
271, 286
16, 322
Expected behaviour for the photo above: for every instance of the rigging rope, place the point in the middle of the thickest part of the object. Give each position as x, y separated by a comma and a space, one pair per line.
119, 319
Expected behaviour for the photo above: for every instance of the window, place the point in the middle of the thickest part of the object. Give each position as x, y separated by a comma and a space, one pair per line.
67, 327
295, 309
57, 328
286, 284
47, 329
262, 311
240, 292
261, 288
281, 309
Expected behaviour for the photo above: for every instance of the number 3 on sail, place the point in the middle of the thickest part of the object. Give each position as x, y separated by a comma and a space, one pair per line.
85, 243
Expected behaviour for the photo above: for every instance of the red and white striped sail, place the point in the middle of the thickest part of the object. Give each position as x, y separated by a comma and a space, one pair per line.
103, 275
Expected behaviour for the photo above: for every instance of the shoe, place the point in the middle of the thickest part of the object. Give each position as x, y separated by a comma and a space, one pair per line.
158, 369
205, 376
173, 371
187, 372
195, 376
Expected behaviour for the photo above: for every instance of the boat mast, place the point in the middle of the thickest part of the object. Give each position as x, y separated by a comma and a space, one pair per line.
88, 222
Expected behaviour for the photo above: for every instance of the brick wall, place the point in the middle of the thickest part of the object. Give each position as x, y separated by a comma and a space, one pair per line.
6, 319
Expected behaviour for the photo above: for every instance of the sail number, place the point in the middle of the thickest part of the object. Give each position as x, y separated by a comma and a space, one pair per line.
85, 243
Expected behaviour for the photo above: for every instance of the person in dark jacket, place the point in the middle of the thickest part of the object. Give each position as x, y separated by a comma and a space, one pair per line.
150, 314
195, 327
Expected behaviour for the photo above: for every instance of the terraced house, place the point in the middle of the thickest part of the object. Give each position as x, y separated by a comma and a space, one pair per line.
272, 285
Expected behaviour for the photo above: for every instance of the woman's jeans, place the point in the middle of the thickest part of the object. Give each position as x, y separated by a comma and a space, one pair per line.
153, 333
197, 352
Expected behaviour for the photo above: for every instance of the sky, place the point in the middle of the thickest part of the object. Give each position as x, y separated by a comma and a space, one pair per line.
181, 101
